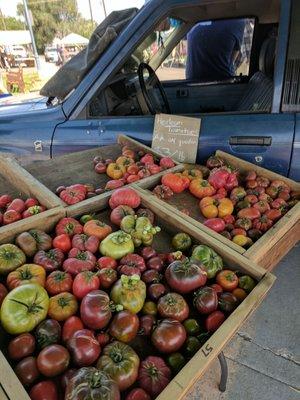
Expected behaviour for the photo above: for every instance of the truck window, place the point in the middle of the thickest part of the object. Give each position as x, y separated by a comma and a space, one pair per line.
211, 51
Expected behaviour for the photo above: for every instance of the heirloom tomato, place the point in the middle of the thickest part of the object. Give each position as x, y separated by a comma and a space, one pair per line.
237, 194
214, 321
107, 262
174, 306
70, 326
251, 213
90, 383
95, 309
156, 290
227, 279
174, 182
273, 215
124, 326
115, 171
16, 205
130, 292
84, 348
62, 242
212, 208
124, 196
193, 174
222, 178
227, 302
28, 273
53, 360
216, 224
108, 277
201, 188
181, 241
154, 375
146, 325
24, 308
262, 206
27, 370
72, 195
247, 283
212, 262
11, 216
243, 223
21, 346
176, 361
138, 394
135, 261
47, 332
44, 390
97, 228
50, 260
42, 239
168, 336
11, 257
263, 223
206, 300
68, 225
79, 261
27, 244
117, 245
62, 306
121, 363
58, 282
119, 213
186, 276
149, 308
3, 292
191, 326
240, 294
84, 283
214, 162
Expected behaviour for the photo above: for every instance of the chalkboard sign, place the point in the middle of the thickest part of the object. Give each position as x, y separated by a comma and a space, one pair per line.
177, 137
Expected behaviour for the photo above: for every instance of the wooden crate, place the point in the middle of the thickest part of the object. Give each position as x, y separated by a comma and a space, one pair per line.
272, 246
195, 368
17, 182
77, 168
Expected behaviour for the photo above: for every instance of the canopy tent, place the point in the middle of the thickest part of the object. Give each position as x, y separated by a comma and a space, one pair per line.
74, 38
10, 38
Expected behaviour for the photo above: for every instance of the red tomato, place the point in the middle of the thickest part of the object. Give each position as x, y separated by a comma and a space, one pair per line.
108, 277
3, 292
107, 262
216, 224
62, 242
84, 283
5, 199
70, 226
21, 346
214, 321
138, 394
53, 360
17, 205
58, 282
185, 276
11, 216
173, 305
84, 348
27, 370
72, 195
154, 375
31, 202
95, 309
124, 326
71, 325
44, 390
103, 338
168, 336
132, 178
124, 196
217, 288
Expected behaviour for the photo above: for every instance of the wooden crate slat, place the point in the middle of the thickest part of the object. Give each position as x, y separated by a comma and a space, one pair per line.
196, 367
26, 183
10, 383
3, 394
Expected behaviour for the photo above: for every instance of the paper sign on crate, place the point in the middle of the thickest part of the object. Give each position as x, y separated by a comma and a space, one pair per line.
177, 137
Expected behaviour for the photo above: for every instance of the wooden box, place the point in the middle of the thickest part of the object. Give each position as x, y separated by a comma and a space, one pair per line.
78, 168
272, 246
17, 182
195, 368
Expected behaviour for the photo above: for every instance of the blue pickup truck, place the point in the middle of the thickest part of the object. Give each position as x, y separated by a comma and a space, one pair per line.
254, 115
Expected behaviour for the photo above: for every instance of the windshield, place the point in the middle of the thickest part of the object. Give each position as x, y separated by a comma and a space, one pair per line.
152, 45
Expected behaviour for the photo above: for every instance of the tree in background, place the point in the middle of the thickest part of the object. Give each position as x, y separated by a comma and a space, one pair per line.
11, 23
57, 18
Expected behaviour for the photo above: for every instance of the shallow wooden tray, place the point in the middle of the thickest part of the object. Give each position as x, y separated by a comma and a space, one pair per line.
271, 247
195, 368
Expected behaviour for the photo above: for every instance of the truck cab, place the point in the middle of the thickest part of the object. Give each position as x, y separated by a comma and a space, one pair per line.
253, 114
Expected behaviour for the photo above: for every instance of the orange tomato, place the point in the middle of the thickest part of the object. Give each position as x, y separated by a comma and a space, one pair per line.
212, 208
115, 171
97, 228
201, 188
133, 169
227, 279
62, 306
125, 161
240, 294
193, 173
27, 273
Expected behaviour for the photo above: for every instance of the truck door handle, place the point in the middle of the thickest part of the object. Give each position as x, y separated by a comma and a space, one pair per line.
250, 140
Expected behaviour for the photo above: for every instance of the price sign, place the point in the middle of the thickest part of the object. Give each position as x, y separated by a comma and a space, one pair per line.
177, 137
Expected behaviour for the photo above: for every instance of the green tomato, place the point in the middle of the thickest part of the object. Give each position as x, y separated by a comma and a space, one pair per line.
149, 308
191, 326
117, 245
176, 361
24, 308
11, 257
191, 346
212, 262
130, 292
85, 218
181, 242
247, 283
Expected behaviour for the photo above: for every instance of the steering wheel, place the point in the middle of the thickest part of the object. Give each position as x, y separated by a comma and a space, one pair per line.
151, 83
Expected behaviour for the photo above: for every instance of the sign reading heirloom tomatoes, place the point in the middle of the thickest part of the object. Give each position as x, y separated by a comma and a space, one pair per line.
177, 137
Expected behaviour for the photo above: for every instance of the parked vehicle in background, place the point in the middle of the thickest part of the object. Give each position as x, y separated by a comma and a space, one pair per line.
255, 116
51, 54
